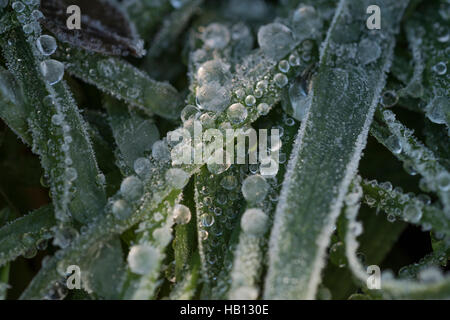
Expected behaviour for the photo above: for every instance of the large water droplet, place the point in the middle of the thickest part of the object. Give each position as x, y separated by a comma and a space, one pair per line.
121, 209
368, 51
437, 108
275, 40
181, 214
254, 221
299, 100
412, 213
132, 188
255, 188
237, 113
306, 22
177, 178
216, 36
46, 45
143, 258
52, 70
160, 150
142, 167
280, 80
440, 68
394, 144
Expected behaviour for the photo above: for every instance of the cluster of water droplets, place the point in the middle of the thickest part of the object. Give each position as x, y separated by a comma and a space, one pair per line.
396, 204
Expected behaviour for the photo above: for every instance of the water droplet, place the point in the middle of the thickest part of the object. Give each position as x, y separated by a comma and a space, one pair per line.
440, 68
263, 108
121, 209
143, 258
262, 85
18, 6
437, 108
299, 100
217, 168
430, 274
255, 188
254, 222
368, 51
284, 66
443, 181
207, 220
177, 178
280, 80
57, 119
46, 45
237, 113
412, 213
71, 174
394, 144
181, 214
250, 100
229, 182
294, 60
306, 22
132, 188
52, 70
216, 36
275, 40
203, 235
160, 150
189, 112
142, 167
389, 99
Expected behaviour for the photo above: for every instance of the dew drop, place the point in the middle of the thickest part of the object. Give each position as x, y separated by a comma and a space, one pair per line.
177, 178
203, 235
207, 220
216, 36
254, 221
255, 188
189, 112
229, 182
250, 100
142, 167
132, 188
412, 213
280, 80
237, 113
52, 70
263, 108
284, 66
121, 209
436, 110
160, 150
143, 258
394, 144
181, 214
18, 6
71, 174
368, 51
389, 99
46, 45
440, 68
275, 40
443, 181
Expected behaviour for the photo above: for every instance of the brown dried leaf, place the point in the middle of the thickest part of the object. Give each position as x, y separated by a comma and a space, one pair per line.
105, 28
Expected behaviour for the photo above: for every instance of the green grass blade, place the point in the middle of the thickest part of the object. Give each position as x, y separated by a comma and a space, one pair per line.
320, 172
22, 235
123, 81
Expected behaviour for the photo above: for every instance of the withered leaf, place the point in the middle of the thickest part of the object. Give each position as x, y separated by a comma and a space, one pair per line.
105, 28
